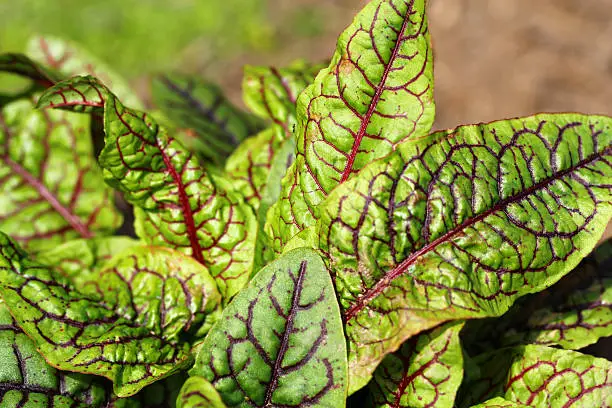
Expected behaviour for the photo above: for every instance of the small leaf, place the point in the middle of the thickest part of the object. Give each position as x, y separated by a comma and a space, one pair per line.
51, 187
272, 93
462, 223
70, 60
280, 342
21, 65
541, 376
376, 93
161, 394
194, 104
199, 393
131, 331
499, 402
573, 313
26, 380
176, 203
425, 372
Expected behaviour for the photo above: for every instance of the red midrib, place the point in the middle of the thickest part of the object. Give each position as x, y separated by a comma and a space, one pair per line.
71, 218
400, 269
184, 201
348, 169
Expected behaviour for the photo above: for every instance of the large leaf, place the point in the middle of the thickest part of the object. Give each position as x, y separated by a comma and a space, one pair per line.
376, 93
26, 380
200, 106
541, 376
21, 65
199, 393
176, 203
462, 223
70, 60
272, 93
573, 313
280, 342
425, 372
51, 187
133, 330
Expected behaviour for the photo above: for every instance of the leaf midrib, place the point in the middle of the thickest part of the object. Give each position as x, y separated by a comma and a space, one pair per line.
401, 268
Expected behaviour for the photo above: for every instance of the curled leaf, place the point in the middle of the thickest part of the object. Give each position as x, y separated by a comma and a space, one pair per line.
52, 189
19, 64
280, 342
199, 393
425, 372
461, 224
132, 329
176, 203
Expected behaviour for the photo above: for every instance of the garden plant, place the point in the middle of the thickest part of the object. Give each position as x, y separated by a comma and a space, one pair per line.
324, 249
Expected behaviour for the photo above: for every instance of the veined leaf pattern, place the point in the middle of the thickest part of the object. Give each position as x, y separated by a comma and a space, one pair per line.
176, 202
191, 103
573, 313
70, 60
199, 393
425, 372
26, 380
499, 402
272, 93
540, 376
462, 223
132, 331
19, 64
376, 93
52, 188
280, 342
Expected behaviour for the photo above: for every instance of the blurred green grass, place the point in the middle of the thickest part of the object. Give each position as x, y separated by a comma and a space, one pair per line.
142, 36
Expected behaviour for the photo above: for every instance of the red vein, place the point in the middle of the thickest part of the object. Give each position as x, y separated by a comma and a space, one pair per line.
71, 218
375, 99
402, 268
187, 212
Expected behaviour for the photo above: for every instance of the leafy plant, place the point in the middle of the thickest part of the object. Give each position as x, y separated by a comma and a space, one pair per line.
325, 248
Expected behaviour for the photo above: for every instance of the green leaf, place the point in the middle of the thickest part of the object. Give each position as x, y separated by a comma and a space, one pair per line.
51, 187
70, 60
376, 93
543, 377
26, 380
499, 402
176, 203
272, 93
19, 64
199, 393
161, 394
132, 331
573, 313
462, 223
425, 372
280, 342
200, 106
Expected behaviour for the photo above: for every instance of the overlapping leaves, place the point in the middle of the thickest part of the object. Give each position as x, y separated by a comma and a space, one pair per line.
176, 203
280, 341
462, 223
132, 329
376, 93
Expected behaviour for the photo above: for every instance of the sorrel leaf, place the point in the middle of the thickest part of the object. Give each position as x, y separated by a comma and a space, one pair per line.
573, 313
541, 376
26, 380
376, 93
499, 402
272, 93
52, 189
133, 331
70, 60
280, 341
200, 106
176, 202
462, 223
199, 393
19, 64
425, 372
